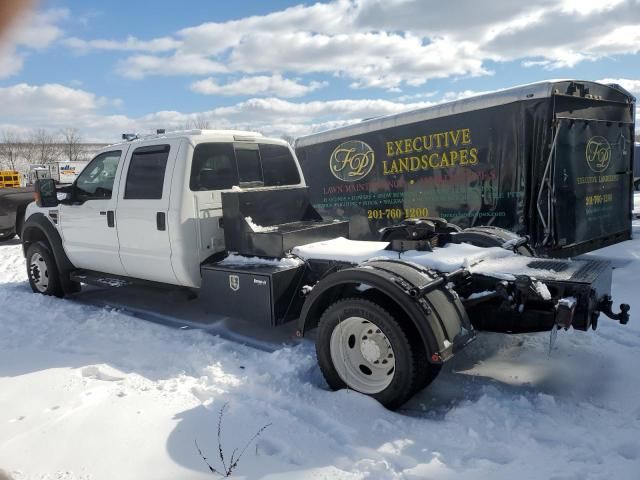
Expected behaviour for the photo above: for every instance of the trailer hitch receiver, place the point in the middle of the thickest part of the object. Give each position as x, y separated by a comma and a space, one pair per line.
605, 307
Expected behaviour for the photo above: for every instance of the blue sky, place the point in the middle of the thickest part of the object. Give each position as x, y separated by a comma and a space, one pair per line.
285, 67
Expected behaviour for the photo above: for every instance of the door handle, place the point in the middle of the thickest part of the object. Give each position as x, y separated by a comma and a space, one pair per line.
161, 221
111, 218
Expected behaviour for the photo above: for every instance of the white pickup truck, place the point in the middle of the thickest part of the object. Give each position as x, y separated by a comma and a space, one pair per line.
227, 215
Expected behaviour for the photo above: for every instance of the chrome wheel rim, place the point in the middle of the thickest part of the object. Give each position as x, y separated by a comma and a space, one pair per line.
38, 272
362, 355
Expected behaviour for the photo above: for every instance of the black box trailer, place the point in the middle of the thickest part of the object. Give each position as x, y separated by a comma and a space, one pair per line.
551, 160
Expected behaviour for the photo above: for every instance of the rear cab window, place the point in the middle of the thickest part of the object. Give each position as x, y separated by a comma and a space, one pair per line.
220, 166
145, 177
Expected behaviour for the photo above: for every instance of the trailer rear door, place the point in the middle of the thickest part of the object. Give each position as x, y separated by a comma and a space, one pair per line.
590, 177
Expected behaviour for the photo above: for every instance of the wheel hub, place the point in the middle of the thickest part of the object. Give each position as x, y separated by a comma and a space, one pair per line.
362, 355
375, 348
370, 350
38, 272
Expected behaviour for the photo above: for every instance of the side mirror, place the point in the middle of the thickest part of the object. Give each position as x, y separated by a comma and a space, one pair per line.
45, 193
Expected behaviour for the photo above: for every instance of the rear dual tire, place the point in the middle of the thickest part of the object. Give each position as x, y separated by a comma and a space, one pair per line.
363, 347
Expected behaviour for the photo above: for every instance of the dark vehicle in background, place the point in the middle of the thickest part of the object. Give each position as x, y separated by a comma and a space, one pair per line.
13, 203
550, 160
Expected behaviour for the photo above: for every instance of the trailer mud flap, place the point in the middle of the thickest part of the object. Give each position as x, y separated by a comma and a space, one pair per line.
590, 183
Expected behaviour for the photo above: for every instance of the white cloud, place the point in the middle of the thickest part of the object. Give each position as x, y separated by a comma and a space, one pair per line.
10, 62
389, 43
38, 29
140, 66
29, 102
56, 106
630, 84
35, 31
161, 44
260, 84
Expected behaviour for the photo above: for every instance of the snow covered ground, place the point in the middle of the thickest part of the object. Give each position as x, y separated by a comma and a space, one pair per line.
89, 390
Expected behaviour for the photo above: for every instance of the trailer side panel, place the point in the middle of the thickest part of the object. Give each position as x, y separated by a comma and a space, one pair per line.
468, 168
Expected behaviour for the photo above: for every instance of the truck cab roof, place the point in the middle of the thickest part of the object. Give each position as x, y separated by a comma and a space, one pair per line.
196, 136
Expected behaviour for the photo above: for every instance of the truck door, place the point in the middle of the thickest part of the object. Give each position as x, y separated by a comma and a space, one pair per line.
591, 179
143, 206
87, 218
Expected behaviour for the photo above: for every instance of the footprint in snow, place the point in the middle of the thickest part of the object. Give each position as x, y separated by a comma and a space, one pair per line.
628, 451
98, 372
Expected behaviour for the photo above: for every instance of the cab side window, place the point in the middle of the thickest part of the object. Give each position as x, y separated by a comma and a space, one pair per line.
213, 167
96, 180
145, 178
278, 166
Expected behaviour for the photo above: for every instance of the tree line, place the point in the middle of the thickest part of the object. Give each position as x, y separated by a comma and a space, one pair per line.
41, 146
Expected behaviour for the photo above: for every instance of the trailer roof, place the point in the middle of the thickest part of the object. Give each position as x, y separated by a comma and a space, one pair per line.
491, 99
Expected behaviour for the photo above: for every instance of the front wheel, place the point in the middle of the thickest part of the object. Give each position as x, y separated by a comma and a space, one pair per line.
42, 270
362, 347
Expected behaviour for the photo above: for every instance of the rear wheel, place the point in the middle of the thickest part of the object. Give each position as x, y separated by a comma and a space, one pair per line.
361, 346
42, 270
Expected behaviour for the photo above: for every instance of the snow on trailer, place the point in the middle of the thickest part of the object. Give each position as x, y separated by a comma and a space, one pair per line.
551, 160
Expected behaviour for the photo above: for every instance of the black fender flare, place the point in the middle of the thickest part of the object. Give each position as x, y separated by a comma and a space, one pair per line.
442, 337
37, 228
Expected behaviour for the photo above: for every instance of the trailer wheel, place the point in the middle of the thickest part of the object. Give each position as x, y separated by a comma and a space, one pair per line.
362, 347
42, 270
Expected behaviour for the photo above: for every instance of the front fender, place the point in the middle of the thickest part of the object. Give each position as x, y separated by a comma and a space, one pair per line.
428, 304
38, 227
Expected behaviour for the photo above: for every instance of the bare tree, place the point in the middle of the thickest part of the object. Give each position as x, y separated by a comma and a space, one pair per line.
200, 122
72, 142
45, 146
10, 147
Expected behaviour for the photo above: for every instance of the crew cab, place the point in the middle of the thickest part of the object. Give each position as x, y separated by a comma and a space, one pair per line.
227, 214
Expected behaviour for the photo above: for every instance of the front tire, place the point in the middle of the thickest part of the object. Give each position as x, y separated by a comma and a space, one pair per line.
42, 270
362, 347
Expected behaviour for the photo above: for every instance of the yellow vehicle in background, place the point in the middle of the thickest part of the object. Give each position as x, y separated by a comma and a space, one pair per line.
9, 179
